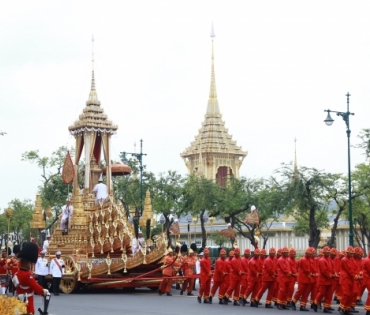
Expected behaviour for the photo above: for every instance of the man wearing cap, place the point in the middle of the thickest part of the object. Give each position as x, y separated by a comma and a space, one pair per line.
325, 279
100, 190
67, 211
24, 281
219, 275
347, 277
188, 265
205, 277
269, 275
245, 275
228, 271
334, 259
168, 272
254, 275
57, 271
236, 273
41, 268
284, 274
293, 269
357, 257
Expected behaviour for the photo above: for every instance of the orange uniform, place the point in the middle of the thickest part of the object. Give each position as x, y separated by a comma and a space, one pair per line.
188, 265
219, 278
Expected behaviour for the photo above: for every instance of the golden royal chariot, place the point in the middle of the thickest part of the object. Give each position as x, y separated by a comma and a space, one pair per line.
97, 250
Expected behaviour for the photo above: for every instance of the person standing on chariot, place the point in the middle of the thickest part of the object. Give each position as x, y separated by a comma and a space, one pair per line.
67, 212
100, 190
24, 281
137, 243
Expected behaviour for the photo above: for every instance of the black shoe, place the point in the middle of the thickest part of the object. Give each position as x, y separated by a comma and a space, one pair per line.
246, 301
303, 309
225, 299
199, 299
159, 292
190, 294
268, 306
359, 303
210, 300
206, 301
229, 301
243, 301
236, 303
314, 307
367, 313
352, 310
220, 301
280, 307
326, 310
292, 305
319, 306
340, 311
331, 309
181, 292
169, 294
259, 303
256, 303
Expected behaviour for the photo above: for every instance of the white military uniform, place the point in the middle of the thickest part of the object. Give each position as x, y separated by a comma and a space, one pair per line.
67, 212
41, 266
101, 191
57, 271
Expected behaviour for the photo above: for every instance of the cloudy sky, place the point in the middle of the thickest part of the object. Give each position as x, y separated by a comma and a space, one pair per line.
278, 65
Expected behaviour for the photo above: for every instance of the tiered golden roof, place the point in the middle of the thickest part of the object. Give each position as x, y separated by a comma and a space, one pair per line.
213, 147
38, 221
148, 211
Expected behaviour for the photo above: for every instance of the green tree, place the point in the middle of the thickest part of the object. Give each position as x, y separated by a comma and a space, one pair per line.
167, 197
305, 192
219, 239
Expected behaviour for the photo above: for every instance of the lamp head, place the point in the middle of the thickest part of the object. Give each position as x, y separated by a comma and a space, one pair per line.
329, 121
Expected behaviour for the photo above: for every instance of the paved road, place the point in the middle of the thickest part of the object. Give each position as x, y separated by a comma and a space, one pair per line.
146, 302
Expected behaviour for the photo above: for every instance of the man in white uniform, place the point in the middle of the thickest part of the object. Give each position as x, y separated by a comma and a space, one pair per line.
45, 246
41, 268
100, 190
67, 212
57, 270
137, 243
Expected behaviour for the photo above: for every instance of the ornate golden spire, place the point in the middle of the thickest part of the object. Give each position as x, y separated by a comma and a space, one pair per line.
213, 108
93, 97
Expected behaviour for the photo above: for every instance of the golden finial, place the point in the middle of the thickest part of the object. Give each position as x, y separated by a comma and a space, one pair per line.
9, 213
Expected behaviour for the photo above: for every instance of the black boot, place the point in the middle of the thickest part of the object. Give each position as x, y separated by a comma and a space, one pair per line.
292, 305
280, 307
169, 294
256, 303
181, 292
367, 313
319, 306
353, 310
314, 307
236, 303
210, 300
225, 299
326, 310
206, 301
359, 303
268, 306
159, 292
243, 302
199, 299
190, 294
220, 301
303, 309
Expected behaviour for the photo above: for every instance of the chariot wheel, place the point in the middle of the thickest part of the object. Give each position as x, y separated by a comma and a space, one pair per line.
68, 284
70, 266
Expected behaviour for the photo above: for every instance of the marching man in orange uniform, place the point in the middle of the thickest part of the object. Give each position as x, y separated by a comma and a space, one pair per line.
284, 274
189, 270
205, 277
293, 268
347, 277
219, 275
336, 268
228, 271
366, 281
325, 281
235, 278
168, 271
304, 280
269, 275
254, 276
24, 281
244, 281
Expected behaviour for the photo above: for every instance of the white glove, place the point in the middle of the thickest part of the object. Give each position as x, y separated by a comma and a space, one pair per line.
46, 292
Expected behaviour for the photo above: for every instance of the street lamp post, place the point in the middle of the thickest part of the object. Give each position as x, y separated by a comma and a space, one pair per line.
189, 219
329, 121
139, 157
195, 220
9, 214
